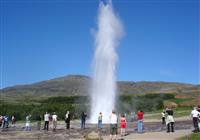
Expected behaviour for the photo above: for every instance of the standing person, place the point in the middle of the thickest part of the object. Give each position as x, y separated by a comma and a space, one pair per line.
169, 120
54, 119
83, 120
113, 126
163, 117
5, 121
28, 123
13, 121
1, 120
38, 119
67, 120
140, 121
195, 117
198, 109
123, 125
100, 120
46, 121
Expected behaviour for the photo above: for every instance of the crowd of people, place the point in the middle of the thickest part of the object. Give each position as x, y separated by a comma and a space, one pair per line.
4, 121
48, 118
167, 118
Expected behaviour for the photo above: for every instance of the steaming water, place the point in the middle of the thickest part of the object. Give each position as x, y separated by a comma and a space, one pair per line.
103, 90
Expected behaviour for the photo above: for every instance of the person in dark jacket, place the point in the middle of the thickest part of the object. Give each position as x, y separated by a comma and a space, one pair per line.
67, 119
83, 120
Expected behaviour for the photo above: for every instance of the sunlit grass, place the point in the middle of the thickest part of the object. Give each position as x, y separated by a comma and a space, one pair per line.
194, 136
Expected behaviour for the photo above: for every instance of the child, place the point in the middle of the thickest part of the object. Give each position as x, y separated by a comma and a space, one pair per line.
123, 125
100, 121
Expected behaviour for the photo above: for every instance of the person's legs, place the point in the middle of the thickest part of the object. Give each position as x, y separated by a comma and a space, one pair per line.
29, 127
68, 124
111, 131
100, 124
142, 123
163, 120
84, 124
195, 123
115, 137
168, 127
193, 120
55, 124
81, 124
111, 136
38, 128
25, 128
140, 126
3, 124
199, 125
124, 131
115, 131
172, 126
7, 124
47, 125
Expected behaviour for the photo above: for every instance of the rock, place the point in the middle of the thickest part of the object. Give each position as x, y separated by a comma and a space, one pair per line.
93, 136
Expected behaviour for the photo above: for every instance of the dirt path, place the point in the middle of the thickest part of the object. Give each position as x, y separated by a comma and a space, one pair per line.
153, 131
154, 135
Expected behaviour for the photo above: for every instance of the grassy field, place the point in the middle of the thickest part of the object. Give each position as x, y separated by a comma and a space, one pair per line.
151, 104
194, 136
178, 113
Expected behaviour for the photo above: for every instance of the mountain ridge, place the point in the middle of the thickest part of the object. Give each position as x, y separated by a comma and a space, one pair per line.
71, 85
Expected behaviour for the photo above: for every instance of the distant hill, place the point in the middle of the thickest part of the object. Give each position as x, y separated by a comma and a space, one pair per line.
80, 85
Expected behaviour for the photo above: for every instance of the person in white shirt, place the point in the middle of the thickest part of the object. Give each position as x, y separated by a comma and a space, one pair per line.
163, 117
54, 118
113, 125
195, 116
28, 125
46, 121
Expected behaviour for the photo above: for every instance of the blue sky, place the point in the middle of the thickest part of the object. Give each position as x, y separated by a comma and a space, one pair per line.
45, 39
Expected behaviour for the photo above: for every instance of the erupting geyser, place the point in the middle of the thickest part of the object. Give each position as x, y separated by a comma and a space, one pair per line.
103, 91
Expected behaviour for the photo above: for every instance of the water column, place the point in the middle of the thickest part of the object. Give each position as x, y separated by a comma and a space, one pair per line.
103, 91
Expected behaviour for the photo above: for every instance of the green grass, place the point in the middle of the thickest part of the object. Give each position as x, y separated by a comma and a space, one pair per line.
179, 100
177, 113
194, 136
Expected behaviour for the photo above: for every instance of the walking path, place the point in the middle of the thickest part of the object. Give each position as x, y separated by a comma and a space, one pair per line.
155, 135
153, 131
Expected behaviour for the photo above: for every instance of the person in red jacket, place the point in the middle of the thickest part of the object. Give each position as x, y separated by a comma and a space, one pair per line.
123, 125
140, 121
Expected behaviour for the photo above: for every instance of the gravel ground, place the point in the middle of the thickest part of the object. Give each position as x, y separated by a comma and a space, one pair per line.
152, 131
